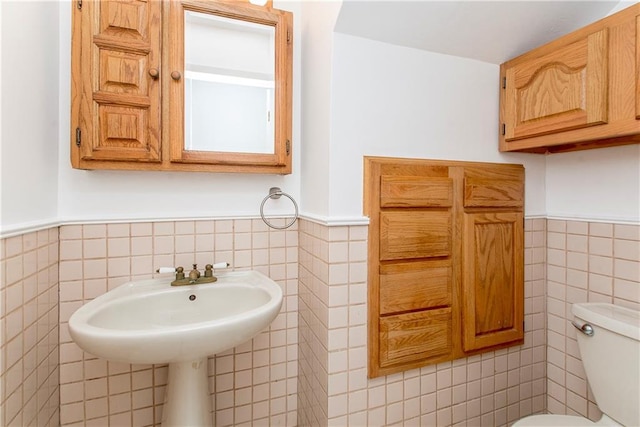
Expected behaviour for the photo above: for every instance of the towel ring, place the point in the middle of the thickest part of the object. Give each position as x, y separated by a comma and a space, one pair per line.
275, 193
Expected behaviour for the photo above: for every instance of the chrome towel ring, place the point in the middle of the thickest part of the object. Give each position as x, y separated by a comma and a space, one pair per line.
275, 193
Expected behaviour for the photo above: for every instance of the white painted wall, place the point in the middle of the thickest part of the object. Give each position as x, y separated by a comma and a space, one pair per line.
602, 184
113, 195
389, 100
318, 21
361, 97
29, 93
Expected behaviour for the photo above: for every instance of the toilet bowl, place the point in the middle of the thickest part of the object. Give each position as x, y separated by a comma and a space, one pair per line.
609, 342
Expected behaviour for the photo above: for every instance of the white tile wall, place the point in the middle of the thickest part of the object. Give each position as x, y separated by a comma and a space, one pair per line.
585, 262
253, 384
314, 374
491, 389
29, 329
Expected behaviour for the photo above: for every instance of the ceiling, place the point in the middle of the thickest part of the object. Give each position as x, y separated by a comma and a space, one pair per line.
489, 31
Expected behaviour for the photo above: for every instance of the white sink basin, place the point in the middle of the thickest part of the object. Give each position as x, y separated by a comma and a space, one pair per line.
152, 322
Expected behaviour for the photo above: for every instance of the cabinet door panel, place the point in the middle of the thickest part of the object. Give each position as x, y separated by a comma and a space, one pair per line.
493, 292
563, 90
416, 336
414, 286
415, 191
479, 192
120, 106
123, 72
415, 234
125, 19
122, 131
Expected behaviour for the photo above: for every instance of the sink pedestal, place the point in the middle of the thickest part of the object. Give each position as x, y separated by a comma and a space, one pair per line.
186, 400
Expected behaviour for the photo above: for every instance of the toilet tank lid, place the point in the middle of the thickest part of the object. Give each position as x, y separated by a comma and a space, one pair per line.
621, 320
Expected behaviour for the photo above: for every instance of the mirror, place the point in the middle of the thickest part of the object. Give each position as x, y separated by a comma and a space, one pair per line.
230, 88
229, 84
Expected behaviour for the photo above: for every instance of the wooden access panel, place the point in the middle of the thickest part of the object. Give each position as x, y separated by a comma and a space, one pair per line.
120, 97
562, 90
408, 286
493, 248
415, 191
415, 234
420, 214
414, 336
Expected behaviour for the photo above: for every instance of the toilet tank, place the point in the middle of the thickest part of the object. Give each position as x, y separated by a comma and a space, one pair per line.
611, 358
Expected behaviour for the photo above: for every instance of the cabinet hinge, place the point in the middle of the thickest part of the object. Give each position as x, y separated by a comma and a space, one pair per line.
78, 137
79, 4
288, 147
504, 129
504, 83
288, 35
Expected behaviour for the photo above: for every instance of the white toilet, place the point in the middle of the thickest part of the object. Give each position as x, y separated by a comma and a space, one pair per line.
609, 343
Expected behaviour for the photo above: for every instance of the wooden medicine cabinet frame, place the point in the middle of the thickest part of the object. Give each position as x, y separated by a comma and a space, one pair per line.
127, 87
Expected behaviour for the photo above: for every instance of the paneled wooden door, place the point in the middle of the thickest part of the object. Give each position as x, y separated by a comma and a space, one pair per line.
120, 106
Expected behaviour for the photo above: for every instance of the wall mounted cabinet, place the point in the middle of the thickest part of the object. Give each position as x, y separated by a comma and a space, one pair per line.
446, 253
580, 91
129, 76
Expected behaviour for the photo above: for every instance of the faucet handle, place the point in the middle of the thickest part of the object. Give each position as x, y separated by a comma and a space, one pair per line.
220, 265
178, 270
208, 270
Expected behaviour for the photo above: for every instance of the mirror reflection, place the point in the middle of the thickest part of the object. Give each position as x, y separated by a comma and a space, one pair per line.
229, 84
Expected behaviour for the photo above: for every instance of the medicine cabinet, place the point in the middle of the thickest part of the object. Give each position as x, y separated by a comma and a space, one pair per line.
181, 85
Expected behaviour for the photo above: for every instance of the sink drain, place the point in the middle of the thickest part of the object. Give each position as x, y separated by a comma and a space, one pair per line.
192, 297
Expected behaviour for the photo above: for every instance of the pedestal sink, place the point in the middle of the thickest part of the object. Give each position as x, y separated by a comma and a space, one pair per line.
151, 322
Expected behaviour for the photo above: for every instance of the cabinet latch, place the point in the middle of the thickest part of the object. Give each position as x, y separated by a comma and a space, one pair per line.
78, 137
288, 35
504, 83
288, 147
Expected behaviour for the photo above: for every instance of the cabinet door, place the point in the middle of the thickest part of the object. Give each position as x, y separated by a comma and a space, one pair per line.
214, 130
119, 90
493, 278
562, 90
